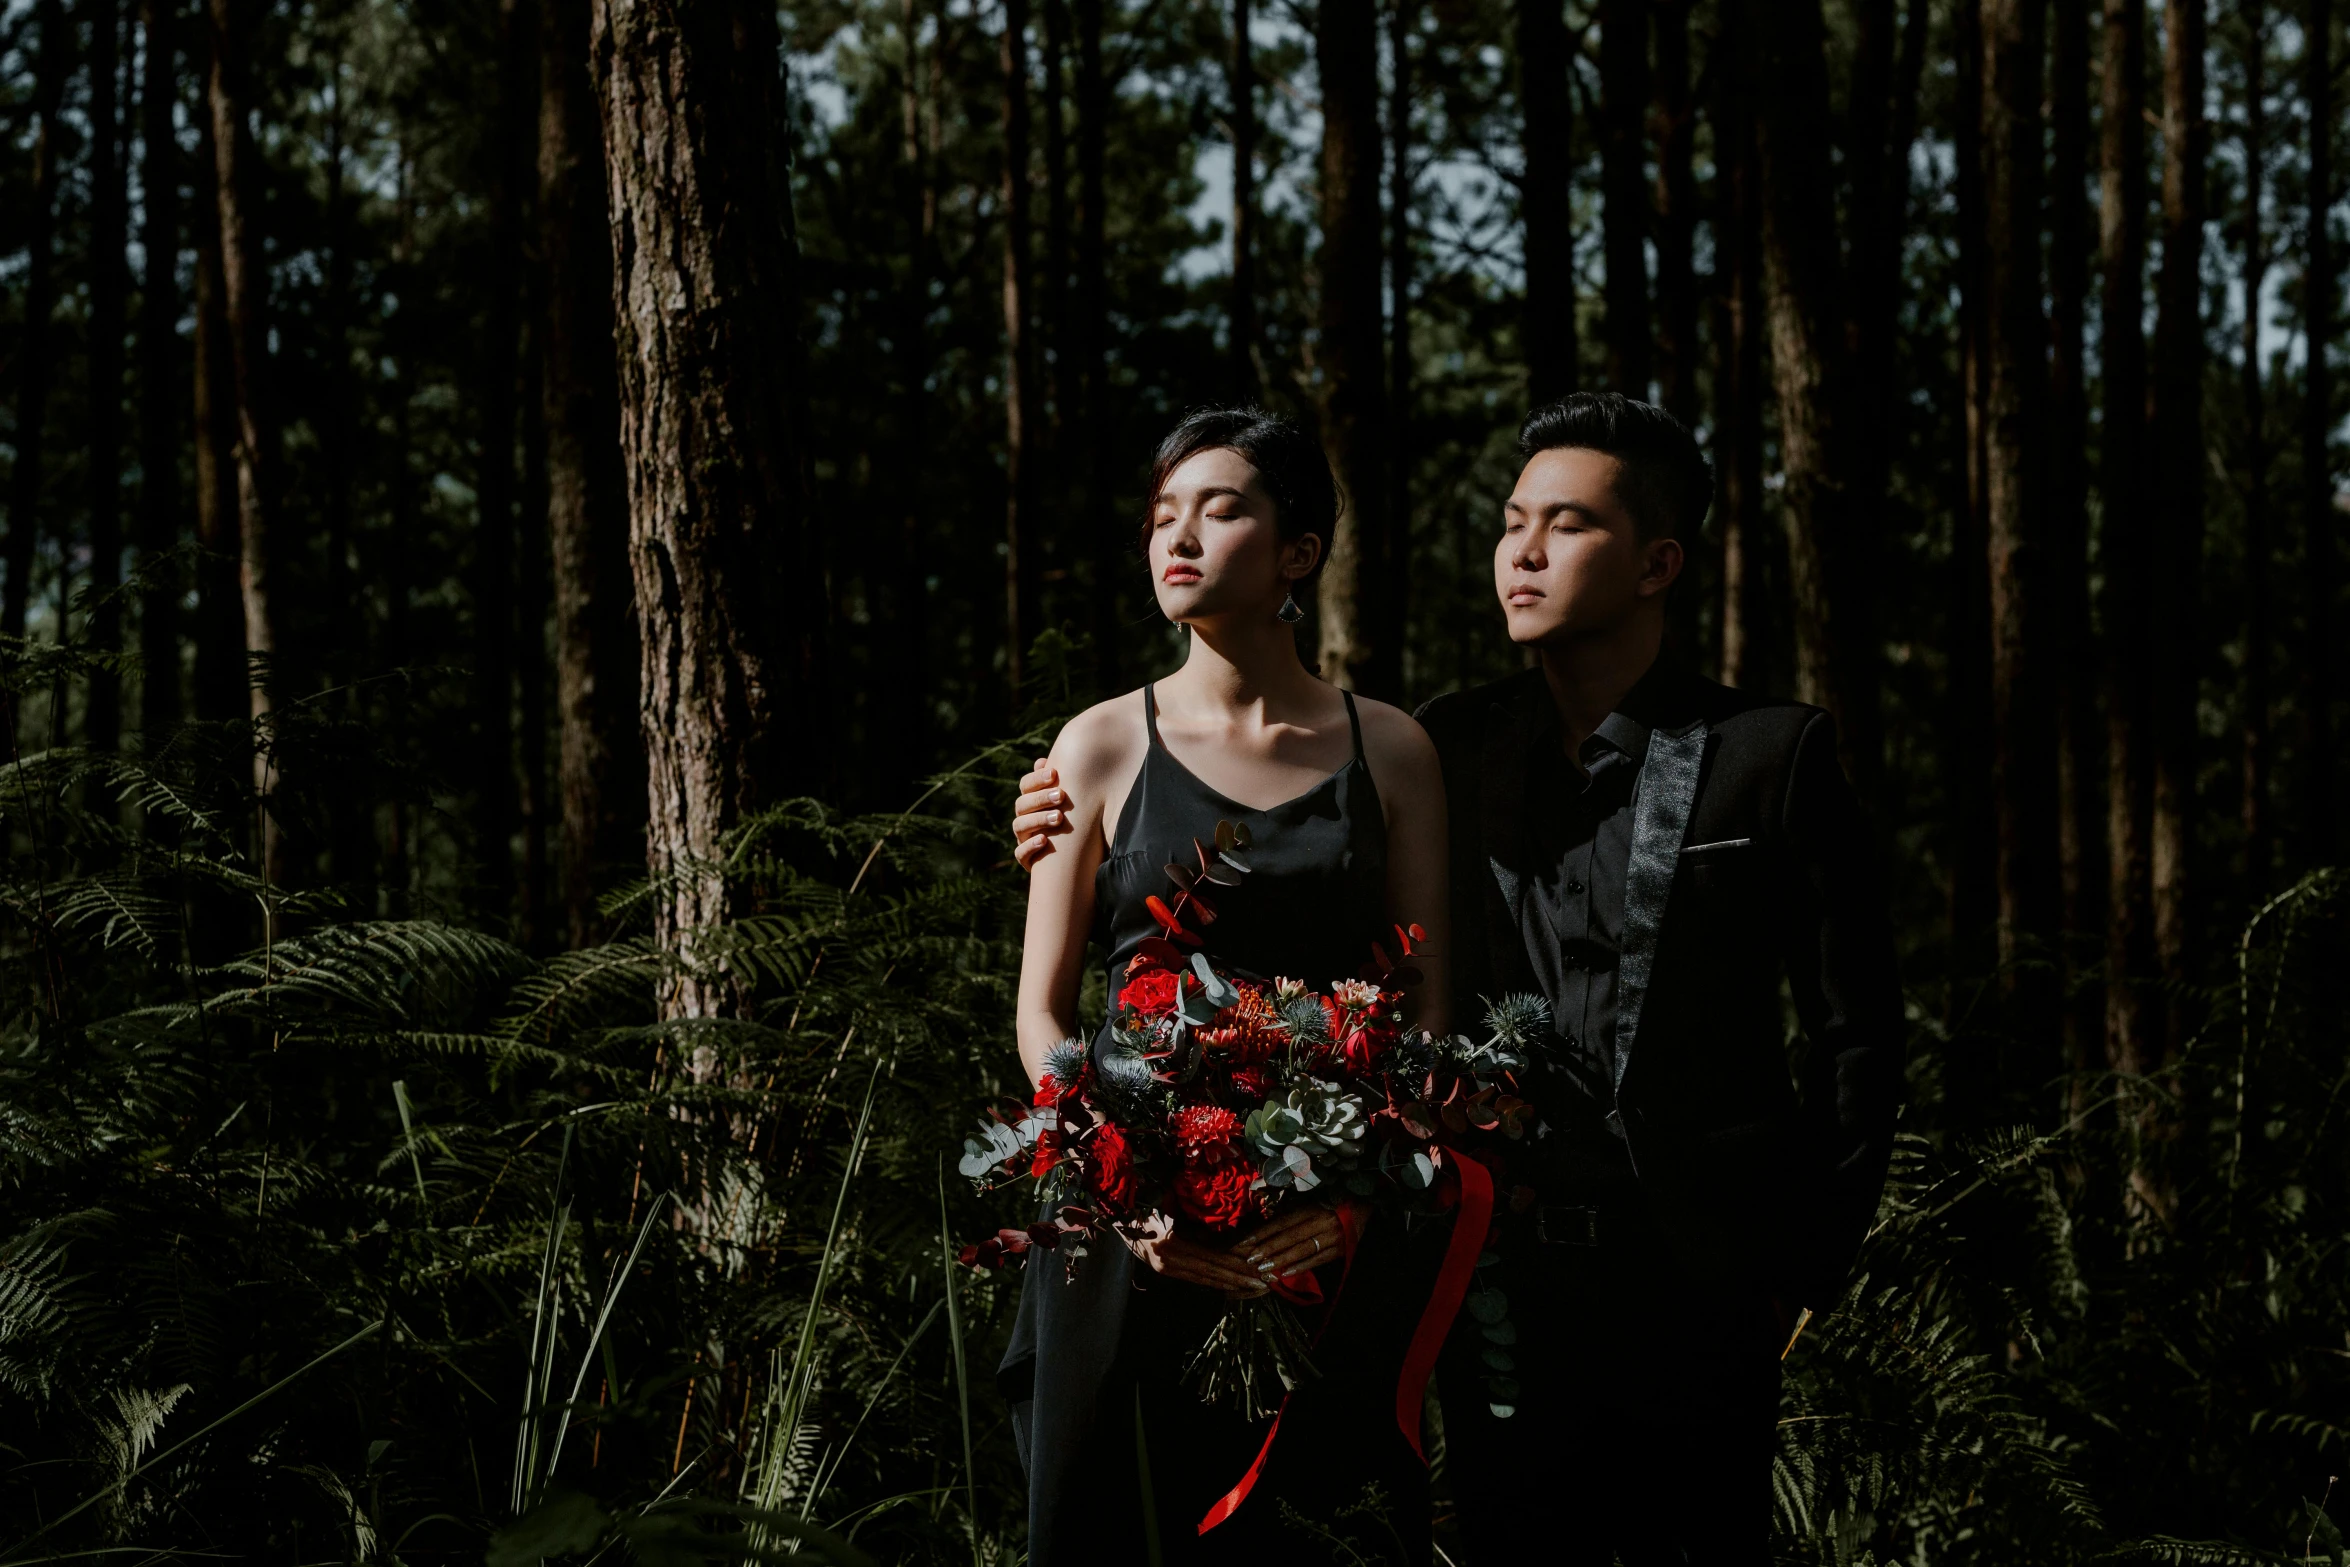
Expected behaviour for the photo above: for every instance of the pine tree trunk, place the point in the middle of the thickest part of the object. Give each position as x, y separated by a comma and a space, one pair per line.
1738, 375
2023, 674
244, 297
1883, 126
898, 738
1113, 573
1547, 199
512, 156
2080, 799
2179, 458
1676, 217
1358, 648
1054, 340
1247, 377
600, 765
221, 678
2133, 1029
2319, 541
36, 360
705, 299
1803, 287
1402, 23
1974, 897
534, 587
1623, 103
108, 323
2257, 628
1022, 524
159, 409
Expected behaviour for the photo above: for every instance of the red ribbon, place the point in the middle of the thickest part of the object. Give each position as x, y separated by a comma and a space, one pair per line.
1350, 1229
1444, 1303
1470, 1223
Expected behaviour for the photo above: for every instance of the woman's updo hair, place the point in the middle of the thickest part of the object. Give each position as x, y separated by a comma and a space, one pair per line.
1288, 461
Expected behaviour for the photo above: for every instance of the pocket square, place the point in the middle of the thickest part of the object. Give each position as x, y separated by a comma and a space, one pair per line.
1725, 843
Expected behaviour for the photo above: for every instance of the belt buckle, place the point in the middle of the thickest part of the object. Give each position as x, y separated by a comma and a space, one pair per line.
1566, 1226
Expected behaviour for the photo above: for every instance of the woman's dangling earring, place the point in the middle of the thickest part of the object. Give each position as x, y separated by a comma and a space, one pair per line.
1289, 611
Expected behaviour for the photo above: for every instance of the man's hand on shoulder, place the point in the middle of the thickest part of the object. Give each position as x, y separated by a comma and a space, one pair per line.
1040, 814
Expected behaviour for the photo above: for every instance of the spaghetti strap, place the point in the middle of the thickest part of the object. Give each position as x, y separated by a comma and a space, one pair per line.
1354, 721
1150, 713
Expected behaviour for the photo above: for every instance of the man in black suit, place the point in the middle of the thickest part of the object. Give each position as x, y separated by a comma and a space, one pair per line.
1669, 864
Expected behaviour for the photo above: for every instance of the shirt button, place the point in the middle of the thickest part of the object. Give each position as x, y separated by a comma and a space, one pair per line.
1575, 889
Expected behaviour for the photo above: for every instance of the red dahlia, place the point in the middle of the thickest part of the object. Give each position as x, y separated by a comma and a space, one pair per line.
1217, 1194
1205, 1129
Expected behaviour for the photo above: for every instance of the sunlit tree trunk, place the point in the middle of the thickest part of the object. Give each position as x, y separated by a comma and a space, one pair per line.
1546, 197
1623, 103
1022, 540
1803, 287
2319, 525
245, 314
36, 368
2178, 460
2258, 631
1359, 636
159, 409
2023, 683
2080, 799
109, 290
705, 299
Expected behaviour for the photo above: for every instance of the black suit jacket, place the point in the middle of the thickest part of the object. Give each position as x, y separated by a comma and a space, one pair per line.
1751, 878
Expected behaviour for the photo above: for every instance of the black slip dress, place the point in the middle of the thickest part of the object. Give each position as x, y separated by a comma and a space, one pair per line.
1107, 1434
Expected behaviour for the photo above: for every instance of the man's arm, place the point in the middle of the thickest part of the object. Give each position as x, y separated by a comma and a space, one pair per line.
1847, 991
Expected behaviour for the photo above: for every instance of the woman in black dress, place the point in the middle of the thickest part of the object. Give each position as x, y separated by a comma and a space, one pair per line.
1346, 806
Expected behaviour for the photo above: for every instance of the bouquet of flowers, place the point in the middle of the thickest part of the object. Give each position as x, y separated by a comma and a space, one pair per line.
1219, 1097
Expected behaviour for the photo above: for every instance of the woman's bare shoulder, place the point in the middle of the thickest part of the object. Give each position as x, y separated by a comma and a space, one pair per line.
1102, 744
1394, 736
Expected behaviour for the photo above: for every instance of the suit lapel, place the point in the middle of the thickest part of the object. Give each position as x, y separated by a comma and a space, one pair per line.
1660, 820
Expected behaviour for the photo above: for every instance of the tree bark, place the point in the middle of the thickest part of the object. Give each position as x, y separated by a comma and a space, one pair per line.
1803, 289
2133, 1030
1738, 374
2320, 561
2071, 645
1359, 638
1113, 576
511, 156
108, 323
2179, 458
1546, 196
1054, 334
159, 410
2023, 673
222, 680
1247, 376
1623, 104
245, 314
2258, 630
1885, 85
600, 765
1022, 562
705, 301
1676, 215
1402, 22
36, 366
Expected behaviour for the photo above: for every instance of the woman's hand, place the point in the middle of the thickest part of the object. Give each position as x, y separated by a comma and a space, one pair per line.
1299, 1241
1188, 1262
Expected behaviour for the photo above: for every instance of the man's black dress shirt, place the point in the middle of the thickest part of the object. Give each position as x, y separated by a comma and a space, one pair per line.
1581, 819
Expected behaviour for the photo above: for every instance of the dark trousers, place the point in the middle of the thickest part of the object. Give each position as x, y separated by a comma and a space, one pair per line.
1645, 1418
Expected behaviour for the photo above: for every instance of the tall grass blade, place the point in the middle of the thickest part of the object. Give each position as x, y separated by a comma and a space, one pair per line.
946, 1257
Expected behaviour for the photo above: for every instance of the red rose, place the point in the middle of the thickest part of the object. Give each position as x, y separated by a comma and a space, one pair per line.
1113, 1166
1151, 992
1048, 1154
1360, 1051
1217, 1194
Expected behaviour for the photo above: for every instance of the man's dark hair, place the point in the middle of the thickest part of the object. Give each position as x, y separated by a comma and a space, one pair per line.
1667, 485
1288, 461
